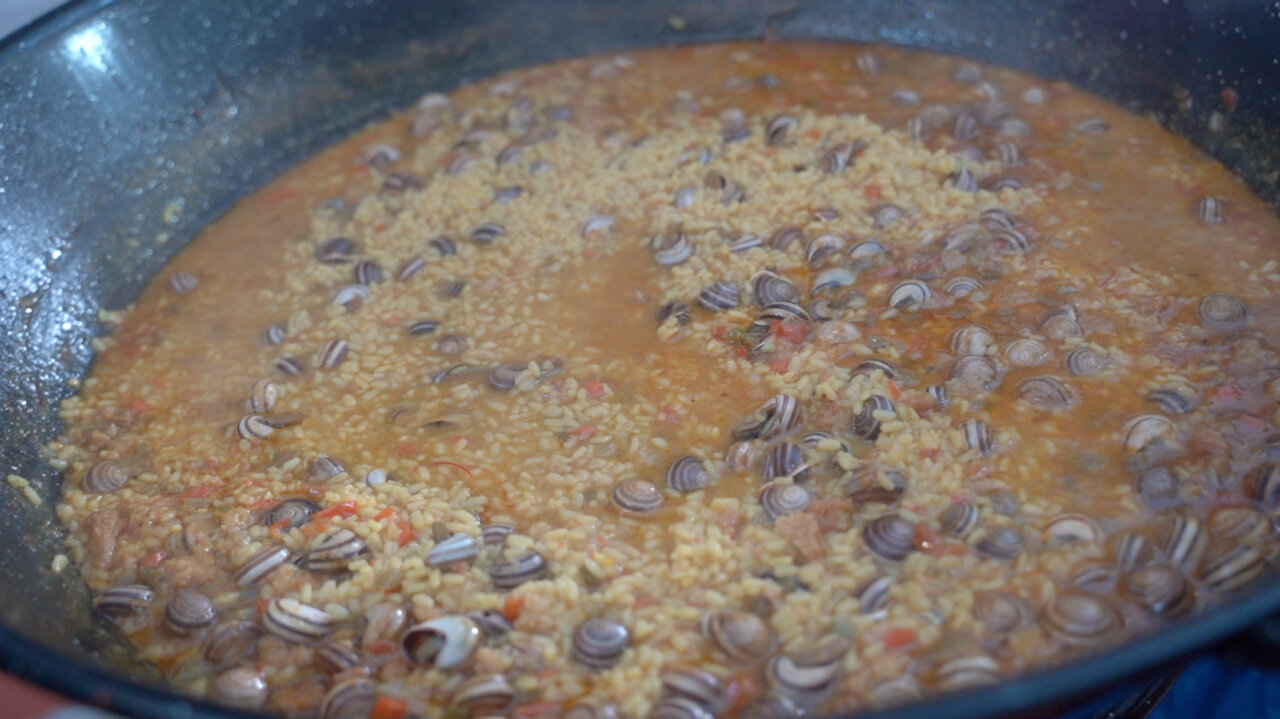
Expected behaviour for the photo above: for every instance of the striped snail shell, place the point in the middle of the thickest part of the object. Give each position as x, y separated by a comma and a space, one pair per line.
1159, 589
720, 296
687, 474
890, 536
600, 642
189, 611
486, 233
340, 656
455, 548
779, 415
292, 513
865, 423
775, 133
263, 396
895, 691
511, 573
124, 599
1080, 619
1026, 352
444, 642
1000, 612
254, 426
637, 497
484, 694
958, 518
1222, 312
104, 477
743, 637
675, 707
768, 287
592, 709
1047, 393
909, 294
695, 684
241, 688
261, 564
349, 699
1072, 528
975, 670
779, 499
335, 552
1084, 361
1232, 568
231, 641
1186, 542
1000, 543
294, 621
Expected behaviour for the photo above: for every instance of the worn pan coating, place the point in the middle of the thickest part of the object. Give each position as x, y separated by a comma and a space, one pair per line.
112, 111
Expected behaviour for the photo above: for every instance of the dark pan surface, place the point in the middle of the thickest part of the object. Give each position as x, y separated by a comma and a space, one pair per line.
111, 111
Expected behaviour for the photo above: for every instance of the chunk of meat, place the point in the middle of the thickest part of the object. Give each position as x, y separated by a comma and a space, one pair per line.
274, 651
920, 401
104, 527
834, 514
189, 571
804, 533
536, 615
730, 521
298, 700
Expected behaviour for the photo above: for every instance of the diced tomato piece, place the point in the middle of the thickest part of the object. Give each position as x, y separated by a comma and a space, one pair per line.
780, 365
926, 537
930, 542
1227, 393
511, 608
197, 492
407, 532
793, 332
388, 708
386, 512
872, 192
341, 509
741, 691
154, 559
380, 646
594, 387
586, 431
899, 637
